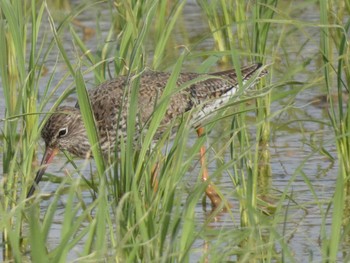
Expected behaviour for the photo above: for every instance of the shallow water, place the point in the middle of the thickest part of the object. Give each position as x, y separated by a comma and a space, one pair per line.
290, 148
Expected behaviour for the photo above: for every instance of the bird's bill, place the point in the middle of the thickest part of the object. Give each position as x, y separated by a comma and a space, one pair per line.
47, 158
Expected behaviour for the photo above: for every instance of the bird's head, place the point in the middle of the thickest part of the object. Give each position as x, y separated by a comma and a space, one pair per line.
64, 130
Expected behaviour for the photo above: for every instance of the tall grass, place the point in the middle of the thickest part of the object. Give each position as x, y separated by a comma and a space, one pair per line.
335, 57
130, 221
20, 87
250, 38
135, 214
126, 220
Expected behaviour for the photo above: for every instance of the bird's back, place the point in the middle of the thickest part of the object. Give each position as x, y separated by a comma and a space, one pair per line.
112, 95
110, 100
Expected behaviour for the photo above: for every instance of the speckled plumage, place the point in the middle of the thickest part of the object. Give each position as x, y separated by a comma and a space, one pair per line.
65, 130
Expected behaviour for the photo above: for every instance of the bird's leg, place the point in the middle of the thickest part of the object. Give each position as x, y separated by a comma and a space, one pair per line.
210, 191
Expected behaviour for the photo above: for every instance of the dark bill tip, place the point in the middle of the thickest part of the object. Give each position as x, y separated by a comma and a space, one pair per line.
47, 158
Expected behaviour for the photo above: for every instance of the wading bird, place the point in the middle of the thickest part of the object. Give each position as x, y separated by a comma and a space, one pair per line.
65, 129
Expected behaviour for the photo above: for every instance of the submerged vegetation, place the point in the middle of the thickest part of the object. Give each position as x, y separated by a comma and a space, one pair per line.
107, 209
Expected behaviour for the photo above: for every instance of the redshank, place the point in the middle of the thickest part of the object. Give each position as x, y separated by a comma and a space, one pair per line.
65, 129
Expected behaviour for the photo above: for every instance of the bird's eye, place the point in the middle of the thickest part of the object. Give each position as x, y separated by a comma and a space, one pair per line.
62, 132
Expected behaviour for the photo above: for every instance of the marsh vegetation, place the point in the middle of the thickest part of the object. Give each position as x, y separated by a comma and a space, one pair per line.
279, 156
